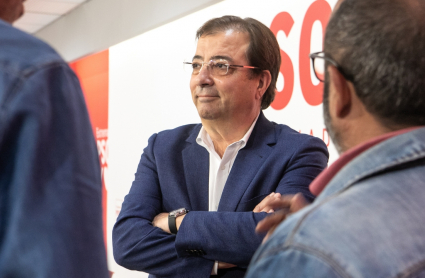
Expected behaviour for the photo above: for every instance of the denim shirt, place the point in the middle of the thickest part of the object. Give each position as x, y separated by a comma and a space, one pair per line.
368, 222
50, 186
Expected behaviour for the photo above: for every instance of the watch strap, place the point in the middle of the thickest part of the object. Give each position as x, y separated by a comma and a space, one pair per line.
172, 224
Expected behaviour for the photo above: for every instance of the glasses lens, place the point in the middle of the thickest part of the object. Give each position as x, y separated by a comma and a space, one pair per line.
319, 68
195, 67
192, 68
219, 68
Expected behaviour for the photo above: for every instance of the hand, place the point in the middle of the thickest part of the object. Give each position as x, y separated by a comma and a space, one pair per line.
266, 204
222, 265
287, 204
161, 221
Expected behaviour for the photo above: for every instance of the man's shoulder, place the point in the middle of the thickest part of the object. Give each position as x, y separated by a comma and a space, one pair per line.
293, 139
179, 134
373, 212
22, 53
286, 131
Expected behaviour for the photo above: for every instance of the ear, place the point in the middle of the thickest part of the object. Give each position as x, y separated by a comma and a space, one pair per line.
263, 83
341, 93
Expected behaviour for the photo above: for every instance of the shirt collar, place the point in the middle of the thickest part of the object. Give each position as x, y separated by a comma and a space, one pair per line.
326, 176
204, 138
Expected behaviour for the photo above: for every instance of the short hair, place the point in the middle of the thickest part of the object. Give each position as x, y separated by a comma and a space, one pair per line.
263, 51
380, 44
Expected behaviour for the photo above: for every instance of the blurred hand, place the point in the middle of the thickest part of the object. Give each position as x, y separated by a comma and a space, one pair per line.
283, 206
266, 205
222, 265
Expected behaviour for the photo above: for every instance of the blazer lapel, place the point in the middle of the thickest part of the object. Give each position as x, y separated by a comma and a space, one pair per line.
247, 163
196, 171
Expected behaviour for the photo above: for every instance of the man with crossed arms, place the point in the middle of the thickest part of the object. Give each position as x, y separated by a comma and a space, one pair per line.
215, 173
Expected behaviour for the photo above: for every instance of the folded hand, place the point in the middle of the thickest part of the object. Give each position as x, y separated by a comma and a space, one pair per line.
283, 206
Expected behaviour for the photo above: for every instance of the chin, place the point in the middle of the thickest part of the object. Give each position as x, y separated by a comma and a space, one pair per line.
208, 114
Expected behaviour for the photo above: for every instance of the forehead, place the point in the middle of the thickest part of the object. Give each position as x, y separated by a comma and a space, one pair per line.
230, 43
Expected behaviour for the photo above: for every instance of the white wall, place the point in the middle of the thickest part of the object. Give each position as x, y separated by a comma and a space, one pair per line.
99, 24
149, 91
146, 97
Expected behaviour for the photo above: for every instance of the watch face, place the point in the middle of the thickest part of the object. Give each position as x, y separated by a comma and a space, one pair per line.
178, 212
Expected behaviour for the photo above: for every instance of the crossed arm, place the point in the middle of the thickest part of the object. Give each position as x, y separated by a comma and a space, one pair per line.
140, 245
141, 236
161, 220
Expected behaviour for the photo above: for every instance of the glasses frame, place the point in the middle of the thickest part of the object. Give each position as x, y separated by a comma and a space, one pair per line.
213, 63
317, 55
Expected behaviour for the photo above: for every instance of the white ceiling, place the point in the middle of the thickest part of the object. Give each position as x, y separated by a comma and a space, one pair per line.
40, 13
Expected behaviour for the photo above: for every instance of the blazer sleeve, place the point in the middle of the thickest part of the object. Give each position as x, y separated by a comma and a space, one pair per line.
137, 244
230, 236
304, 166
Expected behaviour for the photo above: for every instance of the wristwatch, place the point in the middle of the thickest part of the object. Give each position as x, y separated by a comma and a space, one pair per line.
172, 219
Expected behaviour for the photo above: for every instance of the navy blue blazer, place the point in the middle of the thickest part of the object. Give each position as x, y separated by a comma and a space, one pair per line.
174, 172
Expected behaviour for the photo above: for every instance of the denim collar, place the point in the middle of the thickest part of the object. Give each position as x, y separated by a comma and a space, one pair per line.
326, 176
390, 153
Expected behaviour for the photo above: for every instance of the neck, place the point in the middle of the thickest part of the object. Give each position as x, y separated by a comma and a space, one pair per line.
225, 132
356, 134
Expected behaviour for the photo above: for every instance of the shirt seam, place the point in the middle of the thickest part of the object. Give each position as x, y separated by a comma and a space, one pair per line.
23, 76
380, 168
19, 79
413, 270
334, 265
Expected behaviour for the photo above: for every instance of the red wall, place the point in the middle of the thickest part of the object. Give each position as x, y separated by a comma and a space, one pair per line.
93, 72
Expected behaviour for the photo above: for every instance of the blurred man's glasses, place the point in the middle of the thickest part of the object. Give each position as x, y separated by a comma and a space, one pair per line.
319, 60
216, 68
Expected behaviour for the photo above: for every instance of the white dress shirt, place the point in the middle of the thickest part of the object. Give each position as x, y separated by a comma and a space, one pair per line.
220, 167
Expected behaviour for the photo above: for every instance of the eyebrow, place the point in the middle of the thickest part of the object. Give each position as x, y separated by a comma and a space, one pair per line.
216, 57
197, 57
221, 57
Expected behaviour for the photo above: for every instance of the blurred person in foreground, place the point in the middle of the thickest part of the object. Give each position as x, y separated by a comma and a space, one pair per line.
189, 212
368, 219
50, 187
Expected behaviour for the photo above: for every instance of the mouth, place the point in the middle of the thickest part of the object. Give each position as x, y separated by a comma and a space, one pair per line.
207, 98
206, 94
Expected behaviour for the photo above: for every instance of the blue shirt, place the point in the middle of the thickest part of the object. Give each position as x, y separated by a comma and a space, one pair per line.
368, 222
50, 183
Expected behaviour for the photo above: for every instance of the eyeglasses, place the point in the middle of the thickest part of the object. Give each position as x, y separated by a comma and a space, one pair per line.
319, 60
216, 68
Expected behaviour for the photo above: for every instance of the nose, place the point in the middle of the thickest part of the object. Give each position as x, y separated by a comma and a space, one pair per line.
204, 77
